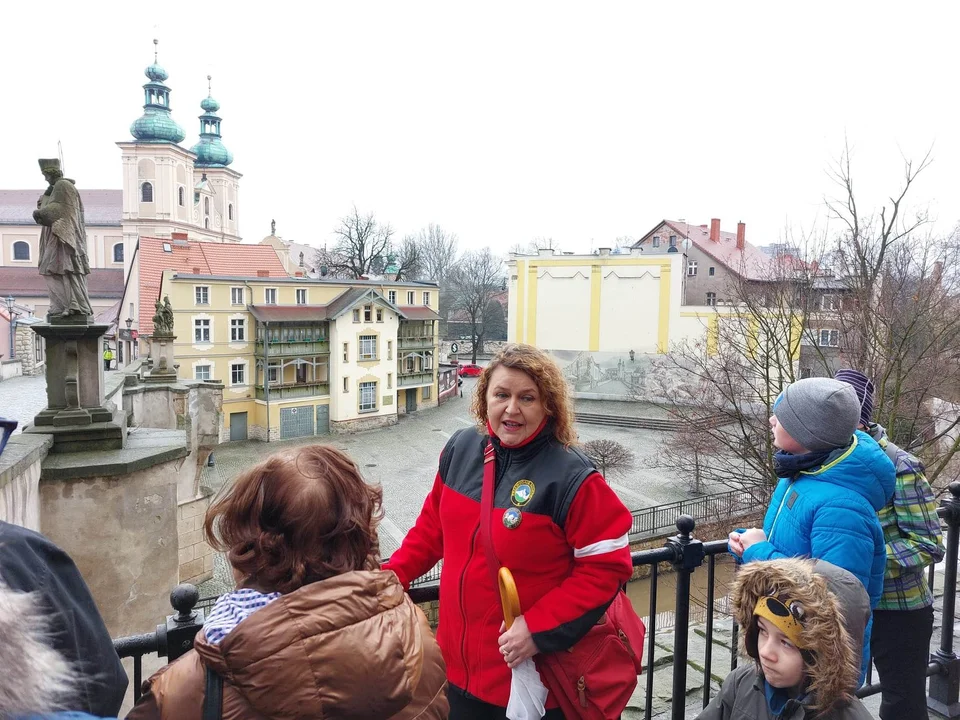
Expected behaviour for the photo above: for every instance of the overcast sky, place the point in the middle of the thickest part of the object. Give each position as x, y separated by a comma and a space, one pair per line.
504, 121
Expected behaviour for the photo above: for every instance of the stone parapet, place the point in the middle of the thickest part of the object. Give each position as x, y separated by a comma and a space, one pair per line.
20, 479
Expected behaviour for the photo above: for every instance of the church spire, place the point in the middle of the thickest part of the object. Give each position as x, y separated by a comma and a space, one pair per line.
156, 125
211, 151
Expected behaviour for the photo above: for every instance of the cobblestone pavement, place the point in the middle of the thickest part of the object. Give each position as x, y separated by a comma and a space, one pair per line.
403, 459
21, 398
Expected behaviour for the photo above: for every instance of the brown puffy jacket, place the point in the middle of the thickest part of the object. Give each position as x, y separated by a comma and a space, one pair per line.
352, 646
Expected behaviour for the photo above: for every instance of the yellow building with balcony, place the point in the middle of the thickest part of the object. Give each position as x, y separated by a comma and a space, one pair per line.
302, 356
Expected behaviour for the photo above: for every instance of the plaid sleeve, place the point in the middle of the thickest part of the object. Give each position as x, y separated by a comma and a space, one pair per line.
910, 523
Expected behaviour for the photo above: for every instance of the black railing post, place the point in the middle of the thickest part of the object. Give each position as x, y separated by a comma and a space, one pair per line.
181, 628
688, 556
945, 687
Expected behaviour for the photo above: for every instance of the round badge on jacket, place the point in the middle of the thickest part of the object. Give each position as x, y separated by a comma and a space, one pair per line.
522, 493
512, 518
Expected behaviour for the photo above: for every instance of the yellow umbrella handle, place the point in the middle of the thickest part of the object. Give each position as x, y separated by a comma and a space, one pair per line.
509, 598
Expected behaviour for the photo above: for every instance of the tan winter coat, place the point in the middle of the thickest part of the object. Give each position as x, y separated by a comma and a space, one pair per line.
836, 609
350, 647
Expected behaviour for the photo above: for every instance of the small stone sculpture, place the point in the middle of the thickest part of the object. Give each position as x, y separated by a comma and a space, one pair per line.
163, 318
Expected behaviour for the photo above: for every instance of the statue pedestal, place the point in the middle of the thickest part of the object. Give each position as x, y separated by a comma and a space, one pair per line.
162, 369
75, 414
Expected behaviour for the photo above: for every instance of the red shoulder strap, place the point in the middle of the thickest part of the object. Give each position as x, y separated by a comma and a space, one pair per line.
486, 512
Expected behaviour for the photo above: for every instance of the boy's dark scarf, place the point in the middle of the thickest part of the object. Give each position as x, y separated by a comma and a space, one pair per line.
790, 466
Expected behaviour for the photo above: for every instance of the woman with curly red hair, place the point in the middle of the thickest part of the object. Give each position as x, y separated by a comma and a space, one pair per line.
553, 522
315, 628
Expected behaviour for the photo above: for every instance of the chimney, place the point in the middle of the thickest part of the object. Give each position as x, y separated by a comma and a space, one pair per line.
178, 236
741, 235
298, 273
604, 251
715, 230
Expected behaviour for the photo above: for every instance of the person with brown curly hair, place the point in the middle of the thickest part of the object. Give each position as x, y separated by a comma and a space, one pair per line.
315, 628
554, 523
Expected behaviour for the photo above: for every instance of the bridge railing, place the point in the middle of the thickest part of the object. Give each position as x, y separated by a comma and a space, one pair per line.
686, 554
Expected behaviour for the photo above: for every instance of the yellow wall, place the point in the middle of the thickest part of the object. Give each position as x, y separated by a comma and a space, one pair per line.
595, 302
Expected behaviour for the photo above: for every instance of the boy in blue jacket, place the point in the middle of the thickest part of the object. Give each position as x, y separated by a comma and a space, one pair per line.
833, 481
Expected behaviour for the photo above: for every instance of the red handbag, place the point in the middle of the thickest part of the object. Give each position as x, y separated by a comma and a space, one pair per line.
594, 679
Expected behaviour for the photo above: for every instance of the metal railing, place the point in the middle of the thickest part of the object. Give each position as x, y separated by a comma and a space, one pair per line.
685, 554
405, 379
661, 519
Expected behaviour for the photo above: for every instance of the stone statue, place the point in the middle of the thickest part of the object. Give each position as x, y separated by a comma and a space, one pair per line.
163, 318
273, 227
63, 246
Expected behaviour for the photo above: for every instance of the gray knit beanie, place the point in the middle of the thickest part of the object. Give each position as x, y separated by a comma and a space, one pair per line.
819, 413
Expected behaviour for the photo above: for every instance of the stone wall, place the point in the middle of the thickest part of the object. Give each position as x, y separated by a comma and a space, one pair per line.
20, 479
195, 555
26, 351
120, 528
345, 427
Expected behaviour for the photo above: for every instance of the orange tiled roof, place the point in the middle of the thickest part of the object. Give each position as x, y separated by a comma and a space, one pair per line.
199, 258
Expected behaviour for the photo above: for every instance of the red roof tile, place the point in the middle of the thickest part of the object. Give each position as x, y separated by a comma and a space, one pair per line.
200, 258
28, 282
750, 262
418, 312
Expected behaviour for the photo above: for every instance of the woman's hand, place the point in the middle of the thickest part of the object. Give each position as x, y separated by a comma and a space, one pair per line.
516, 644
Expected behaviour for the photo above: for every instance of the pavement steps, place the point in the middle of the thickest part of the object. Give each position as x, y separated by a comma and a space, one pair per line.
645, 423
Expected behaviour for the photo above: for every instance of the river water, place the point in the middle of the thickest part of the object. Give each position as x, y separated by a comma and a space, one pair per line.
639, 592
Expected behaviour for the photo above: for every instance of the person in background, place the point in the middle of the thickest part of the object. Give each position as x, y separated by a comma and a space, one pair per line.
833, 480
803, 623
107, 357
556, 525
315, 629
903, 620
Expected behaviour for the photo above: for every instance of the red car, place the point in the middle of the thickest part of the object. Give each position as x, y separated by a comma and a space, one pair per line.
470, 370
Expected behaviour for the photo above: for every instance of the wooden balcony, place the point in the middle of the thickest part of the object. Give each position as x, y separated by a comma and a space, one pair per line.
415, 379
288, 391
416, 342
298, 348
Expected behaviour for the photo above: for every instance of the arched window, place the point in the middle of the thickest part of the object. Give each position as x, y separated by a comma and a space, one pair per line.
180, 196
118, 252
206, 223
21, 250
146, 192
206, 206
230, 211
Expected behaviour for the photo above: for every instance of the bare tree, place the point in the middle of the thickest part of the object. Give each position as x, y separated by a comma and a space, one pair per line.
408, 258
610, 456
494, 321
361, 242
439, 250
881, 296
732, 374
475, 280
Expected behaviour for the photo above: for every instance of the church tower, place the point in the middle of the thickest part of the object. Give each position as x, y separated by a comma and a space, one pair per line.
217, 188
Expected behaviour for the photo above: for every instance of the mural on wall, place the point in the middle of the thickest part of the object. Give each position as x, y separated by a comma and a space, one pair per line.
447, 381
623, 375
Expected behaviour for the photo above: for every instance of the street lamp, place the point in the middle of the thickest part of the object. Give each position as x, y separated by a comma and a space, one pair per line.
129, 322
10, 303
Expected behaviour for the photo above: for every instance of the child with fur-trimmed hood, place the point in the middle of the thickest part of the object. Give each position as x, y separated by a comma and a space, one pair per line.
803, 623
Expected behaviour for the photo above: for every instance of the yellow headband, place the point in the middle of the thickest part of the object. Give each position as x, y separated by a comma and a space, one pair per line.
785, 614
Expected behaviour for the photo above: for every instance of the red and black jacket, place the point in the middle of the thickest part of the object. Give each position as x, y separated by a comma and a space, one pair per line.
569, 553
